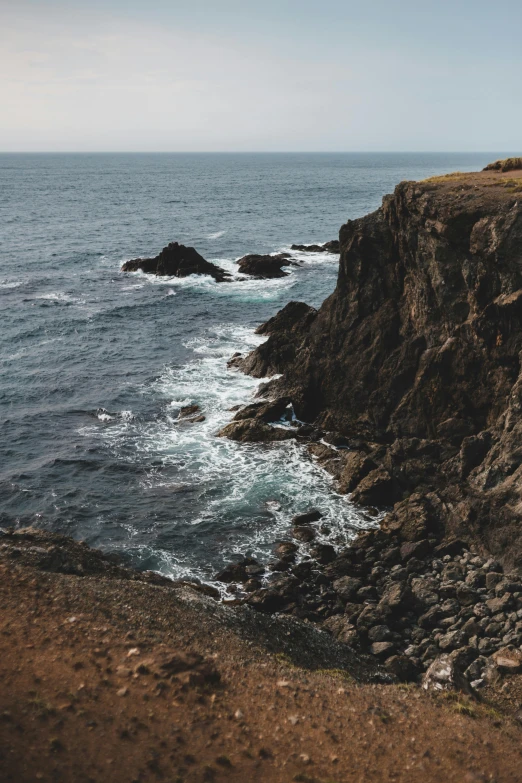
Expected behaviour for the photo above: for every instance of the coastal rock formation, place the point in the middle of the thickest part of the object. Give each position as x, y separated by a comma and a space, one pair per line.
176, 260
416, 355
265, 266
328, 247
508, 164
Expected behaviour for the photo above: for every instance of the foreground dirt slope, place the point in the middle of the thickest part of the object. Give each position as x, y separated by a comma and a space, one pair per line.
105, 678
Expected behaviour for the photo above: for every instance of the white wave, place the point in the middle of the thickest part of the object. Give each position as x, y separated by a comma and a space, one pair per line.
11, 283
240, 287
217, 235
232, 481
59, 296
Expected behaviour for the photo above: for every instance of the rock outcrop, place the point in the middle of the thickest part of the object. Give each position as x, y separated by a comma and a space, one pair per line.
328, 247
176, 260
265, 266
416, 356
508, 164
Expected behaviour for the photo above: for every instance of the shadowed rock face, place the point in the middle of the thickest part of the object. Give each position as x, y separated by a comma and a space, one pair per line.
176, 260
418, 350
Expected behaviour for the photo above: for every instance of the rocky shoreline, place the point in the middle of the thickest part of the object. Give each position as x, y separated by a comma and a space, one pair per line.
405, 385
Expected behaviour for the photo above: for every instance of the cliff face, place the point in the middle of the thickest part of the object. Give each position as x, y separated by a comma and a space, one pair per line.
418, 349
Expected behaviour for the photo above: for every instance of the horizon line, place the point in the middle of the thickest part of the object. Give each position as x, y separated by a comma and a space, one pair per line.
254, 152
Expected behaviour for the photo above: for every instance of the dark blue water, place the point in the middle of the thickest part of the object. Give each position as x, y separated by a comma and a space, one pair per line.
95, 363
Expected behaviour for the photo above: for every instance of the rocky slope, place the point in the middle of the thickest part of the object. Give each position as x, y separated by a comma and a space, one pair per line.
415, 360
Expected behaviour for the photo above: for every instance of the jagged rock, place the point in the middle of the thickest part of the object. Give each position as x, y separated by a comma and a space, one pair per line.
417, 549
236, 572
254, 431
356, 466
264, 266
274, 410
323, 553
508, 660
341, 629
500, 604
377, 489
379, 633
425, 591
176, 260
346, 587
402, 667
444, 675
309, 516
303, 533
382, 649
452, 640
466, 596
189, 410
285, 549
373, 615
395, 597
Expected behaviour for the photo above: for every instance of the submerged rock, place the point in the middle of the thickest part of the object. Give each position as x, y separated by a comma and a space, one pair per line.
176, 260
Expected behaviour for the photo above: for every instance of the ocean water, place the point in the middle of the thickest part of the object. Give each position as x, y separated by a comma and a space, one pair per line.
95, 363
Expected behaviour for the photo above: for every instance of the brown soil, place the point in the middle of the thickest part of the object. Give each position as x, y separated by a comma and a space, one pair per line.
87, 695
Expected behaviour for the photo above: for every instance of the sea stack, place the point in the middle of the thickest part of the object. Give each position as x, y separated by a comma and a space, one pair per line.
176, 260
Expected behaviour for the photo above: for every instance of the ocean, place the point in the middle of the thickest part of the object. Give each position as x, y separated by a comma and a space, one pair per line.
96, 363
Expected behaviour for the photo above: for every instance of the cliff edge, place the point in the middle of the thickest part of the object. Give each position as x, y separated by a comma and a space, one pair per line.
417, 355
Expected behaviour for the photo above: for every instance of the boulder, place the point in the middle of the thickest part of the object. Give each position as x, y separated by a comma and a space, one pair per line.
500, 604
382, 649
402, 667
303, 533
444, 675
236, 572
395, 597
309, 516
176, 260
346, 587
323, 553
341, 629
377, 489
508, 660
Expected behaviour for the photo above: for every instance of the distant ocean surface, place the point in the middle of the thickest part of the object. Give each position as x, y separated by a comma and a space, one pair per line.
95, 363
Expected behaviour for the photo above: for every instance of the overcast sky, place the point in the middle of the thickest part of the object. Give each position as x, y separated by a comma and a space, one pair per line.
210, 75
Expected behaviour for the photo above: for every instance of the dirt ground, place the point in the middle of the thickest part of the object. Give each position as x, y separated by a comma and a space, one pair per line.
102, 679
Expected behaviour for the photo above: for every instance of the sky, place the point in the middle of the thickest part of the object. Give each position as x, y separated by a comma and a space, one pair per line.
275, 75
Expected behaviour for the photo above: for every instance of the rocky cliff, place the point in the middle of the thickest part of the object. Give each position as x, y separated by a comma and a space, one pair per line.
416, 354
